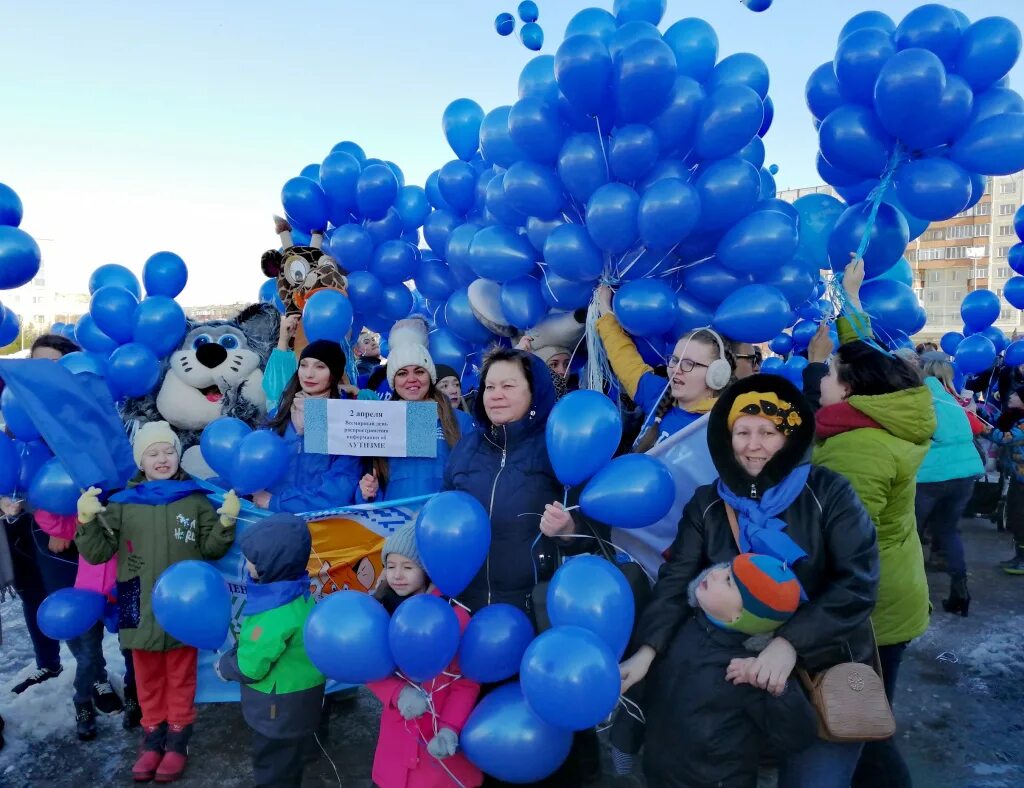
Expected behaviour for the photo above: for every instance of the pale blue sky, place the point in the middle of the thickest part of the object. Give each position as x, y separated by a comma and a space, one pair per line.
133, 127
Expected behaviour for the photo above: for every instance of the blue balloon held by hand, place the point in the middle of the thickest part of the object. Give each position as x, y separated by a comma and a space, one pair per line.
453, 534
70, 612
494, 643
423, 636
192, 603
582, 433
632, 491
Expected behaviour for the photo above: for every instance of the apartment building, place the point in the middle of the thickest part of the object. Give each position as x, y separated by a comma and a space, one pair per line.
958, 255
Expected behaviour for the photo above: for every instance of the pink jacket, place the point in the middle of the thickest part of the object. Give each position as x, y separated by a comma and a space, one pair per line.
91, 577
402, 760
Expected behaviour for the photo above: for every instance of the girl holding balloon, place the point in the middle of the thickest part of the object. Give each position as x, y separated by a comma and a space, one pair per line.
312, 481
699, 368
420, 724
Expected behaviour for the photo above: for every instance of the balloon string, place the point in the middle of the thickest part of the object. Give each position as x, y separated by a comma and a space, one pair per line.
598, 369
614, 547
600, 138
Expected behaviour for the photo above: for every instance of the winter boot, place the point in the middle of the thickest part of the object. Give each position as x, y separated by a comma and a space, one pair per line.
152, 752
85, 720
1015, 566
105, 699
41, 675
959, 597
176, 754
132, 710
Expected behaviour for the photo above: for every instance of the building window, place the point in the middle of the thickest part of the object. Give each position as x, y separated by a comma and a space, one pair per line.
931, 296
931, 254
1007, 187
955, 296
933, 235
39, 318
1002, 251
934, 276
1005, 229
1006, 209
1004, 314
1003, 272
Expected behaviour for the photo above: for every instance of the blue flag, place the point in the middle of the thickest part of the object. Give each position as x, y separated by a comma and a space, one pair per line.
77, 418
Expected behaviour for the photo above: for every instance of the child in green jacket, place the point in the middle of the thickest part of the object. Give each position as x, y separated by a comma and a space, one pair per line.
282, 693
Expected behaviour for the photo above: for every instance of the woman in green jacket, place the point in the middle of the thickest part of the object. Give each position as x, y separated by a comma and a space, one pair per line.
875, 427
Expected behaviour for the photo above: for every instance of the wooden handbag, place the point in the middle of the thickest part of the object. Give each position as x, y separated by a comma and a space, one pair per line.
849, 698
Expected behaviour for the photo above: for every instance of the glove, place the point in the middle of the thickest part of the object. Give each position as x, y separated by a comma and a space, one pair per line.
444, 744
89, 505
412, 702
229, 509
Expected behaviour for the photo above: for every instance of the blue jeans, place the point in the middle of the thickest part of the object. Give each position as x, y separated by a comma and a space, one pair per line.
824, 764
939, 506
90, 664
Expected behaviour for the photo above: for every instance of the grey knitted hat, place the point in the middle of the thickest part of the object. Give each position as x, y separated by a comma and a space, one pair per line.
402, 542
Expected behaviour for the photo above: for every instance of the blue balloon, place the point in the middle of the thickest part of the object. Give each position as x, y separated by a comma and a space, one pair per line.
994, 146
650, 11
9, 467
632, 491
132, 371
766, 124
633, 151
376, 190
570, 678
346, 638
901, 272
305, 204
754, 313
457, 182
534, 190
592, 22
822, 91
592, 593
461, 123
434, 193
352, 149
980, 309
458, 249
892, 306
853, 139
951, 341
365, 292
976, 354
676, 126
565, 294
728, 190
668, 212
447, 348
327, 315
888, 238
528, 11
645, 72
433, 279
20, 257
164, 274
695, 45
867, 19
645, 307
311, 171
583, 165
860, 57
532, 36
782, 344
496, 143
339, 174
988, 50
497, 203
536, 129
394, 262
352, 246
710, 283
504, 23
773, 366
81, 361
691, 313
583, 68
933, 189
219, 443
413, 206
803, 333
424, 636
759, 243
261, 459
436, 230
1015, 258
571, 254
115, 275
612, 217
996, 337
113, 311
499, 254
743, 68
1013, 291
753, 152
159, 324
1014, 355
583, 432
494, 642
11, 209
192, 604
508, 741
932, 27
912, 82
10, 327
32, 455
453, 535
53, 489
396, 304
16, 418
522, 302
818, 216
68, 613
538, 230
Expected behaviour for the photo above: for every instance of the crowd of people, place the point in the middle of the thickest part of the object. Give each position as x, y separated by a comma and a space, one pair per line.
806, 552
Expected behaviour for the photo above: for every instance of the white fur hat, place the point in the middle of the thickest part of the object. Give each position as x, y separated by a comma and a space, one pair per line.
407, 347
153, 432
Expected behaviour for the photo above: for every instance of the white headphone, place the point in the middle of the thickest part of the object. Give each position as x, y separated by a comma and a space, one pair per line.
719, 371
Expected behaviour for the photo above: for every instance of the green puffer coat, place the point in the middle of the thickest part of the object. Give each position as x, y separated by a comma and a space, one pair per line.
148, 539
881, 465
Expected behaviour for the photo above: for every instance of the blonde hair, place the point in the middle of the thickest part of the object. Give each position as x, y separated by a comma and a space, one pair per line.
942, 371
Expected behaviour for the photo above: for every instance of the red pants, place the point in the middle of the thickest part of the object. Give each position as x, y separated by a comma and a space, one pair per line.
166, 682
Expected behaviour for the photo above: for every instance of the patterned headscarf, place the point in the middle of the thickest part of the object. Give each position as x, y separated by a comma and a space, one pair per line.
767, 405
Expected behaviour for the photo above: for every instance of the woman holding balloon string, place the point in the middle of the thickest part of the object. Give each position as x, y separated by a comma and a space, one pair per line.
700, 367
413, 377
760, 434
312, 481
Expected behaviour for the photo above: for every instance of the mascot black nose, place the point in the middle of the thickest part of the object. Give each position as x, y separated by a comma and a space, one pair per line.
211, 355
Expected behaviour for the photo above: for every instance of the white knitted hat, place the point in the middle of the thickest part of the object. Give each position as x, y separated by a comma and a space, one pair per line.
407, 347
150, 433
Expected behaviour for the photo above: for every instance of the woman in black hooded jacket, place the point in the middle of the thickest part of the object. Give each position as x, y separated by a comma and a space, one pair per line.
839, 574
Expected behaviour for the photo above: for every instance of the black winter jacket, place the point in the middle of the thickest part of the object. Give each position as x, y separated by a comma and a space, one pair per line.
507, 469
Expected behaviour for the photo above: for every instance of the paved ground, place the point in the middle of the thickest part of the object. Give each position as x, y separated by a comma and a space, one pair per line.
960, 707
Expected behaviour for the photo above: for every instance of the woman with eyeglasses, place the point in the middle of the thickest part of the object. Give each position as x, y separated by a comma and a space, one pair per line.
699, 368
748, 359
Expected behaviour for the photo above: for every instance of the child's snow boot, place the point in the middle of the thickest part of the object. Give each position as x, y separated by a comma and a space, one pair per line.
145, 767
176, 754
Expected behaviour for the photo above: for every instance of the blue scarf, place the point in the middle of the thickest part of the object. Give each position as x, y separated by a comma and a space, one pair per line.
760, 530
158, 493
260, 597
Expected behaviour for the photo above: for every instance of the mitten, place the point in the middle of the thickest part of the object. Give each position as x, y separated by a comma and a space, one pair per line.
89, 505
444, 744
412, 702
229, 509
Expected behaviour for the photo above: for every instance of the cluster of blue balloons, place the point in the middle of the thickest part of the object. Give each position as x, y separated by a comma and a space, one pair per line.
248, 460
20, 258
532, 35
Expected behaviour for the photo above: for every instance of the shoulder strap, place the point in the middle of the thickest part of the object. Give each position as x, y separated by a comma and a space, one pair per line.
731, 514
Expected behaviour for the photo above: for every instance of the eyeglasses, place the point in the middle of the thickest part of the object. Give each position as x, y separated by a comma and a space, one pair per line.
685, 364
754, 358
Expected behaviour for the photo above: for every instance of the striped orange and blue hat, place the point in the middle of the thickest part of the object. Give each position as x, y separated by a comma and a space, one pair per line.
770, 592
